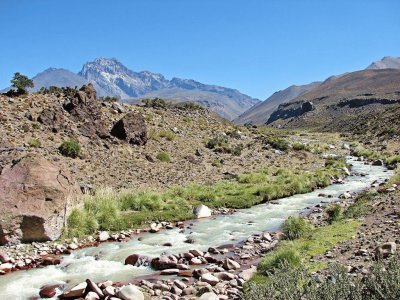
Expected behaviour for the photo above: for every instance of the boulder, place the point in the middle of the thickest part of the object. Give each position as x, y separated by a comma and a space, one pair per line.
53, 117
131, 128
85, 109
130, 292
346, 171
385, 250
202, 211
4, 258
36, 197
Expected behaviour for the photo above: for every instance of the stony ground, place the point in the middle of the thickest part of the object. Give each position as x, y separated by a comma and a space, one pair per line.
113, 163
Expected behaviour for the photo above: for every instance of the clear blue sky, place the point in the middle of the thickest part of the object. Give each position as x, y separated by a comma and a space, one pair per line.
257, 47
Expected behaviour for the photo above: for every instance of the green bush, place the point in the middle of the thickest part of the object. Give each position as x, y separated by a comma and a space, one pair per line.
217, 142
296, 227
80, 223
70, 148
34, 143
237, 150
285, 257
168, 134
335, 212
163, 156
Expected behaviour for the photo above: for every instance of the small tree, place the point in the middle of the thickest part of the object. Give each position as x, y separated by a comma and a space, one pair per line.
21, 83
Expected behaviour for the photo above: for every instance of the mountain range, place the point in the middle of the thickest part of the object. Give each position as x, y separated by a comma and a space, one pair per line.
111, 78
261, 112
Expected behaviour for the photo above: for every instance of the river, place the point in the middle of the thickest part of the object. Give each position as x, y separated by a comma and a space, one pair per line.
223, 229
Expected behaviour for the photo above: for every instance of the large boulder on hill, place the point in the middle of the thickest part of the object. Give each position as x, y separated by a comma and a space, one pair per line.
85, 108
131, 128
52, 117
36, 197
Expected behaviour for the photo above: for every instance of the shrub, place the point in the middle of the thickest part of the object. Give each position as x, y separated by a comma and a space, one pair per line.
296, 227
237, 150
334, 212
163, 156
220, 141
216, 163
70, 148
155, 103
285, 257
168, 134
278, 143
34, 143
80, 223
300, 146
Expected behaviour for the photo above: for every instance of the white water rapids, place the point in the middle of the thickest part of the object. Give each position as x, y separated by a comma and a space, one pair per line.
223, 229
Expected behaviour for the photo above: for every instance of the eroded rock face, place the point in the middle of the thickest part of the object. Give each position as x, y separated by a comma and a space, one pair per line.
35, 199
85, 108
131, 128
52, 117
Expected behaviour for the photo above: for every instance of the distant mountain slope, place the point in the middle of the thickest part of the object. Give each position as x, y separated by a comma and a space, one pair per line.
223, 105
336, 102
116, 79
259, 113
388, 62
61, 78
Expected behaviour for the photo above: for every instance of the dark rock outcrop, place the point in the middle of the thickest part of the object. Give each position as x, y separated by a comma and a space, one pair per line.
35, 199
291, 110
85, 108
131, 128
53, 118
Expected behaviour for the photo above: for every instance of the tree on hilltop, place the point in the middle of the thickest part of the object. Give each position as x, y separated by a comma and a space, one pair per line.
21, 83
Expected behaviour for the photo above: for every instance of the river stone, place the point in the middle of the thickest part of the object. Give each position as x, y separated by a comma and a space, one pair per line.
209, 278
104, 236
109, 291
48, 291
76, 292
202, 211
224, 276
170, 272
132, 259
130, 292
195, 261
230, 264
94, 288
196, 252
209, 296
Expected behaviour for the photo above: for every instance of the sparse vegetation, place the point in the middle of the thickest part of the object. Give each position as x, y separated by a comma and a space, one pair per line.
291, 283
278, 143
34, 143
163, 156
70, 148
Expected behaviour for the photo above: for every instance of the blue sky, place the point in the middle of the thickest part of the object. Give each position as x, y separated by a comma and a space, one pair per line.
257, 47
